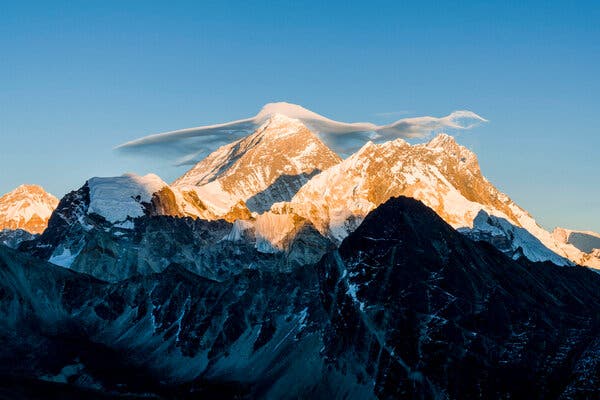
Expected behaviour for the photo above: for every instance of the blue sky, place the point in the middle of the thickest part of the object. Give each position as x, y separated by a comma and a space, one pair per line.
78, 79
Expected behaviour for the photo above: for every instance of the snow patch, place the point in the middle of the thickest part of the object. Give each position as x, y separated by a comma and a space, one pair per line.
119, 198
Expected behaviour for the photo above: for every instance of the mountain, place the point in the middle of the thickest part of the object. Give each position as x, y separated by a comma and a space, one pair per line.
443, 175
420, 311
116, 227
406, 308
265, 167
28, 207
283, 170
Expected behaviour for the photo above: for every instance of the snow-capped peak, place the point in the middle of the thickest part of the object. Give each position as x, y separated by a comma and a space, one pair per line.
278, 126
442, 174
27, 207
587, 242
122, 197
265, 167
442, 141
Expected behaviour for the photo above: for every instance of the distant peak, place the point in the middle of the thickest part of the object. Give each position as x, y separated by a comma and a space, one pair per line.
27, 207
442, 140
282, 119
280, 125
29, 189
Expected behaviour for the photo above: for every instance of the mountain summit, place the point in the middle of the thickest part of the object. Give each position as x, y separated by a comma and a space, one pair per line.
28, 207
266, 167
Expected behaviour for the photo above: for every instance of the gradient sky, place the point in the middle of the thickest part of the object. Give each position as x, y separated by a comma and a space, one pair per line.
78, 79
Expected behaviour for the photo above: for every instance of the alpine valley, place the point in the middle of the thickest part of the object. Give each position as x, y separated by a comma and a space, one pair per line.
275, 268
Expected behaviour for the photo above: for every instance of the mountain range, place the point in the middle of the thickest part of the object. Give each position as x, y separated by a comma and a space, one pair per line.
274, 268
283, 175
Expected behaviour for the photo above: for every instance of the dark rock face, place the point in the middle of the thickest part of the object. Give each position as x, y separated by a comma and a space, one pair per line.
406, 308
65, 218
256, 329
13, 238
421, 312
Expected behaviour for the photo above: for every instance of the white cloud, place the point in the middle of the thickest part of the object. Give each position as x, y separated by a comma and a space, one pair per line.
187, 146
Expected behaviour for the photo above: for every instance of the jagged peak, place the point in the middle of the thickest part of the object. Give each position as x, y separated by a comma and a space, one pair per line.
279, 125
448, 145
444, 141
372, 146
365, 148
27, 207
29, 188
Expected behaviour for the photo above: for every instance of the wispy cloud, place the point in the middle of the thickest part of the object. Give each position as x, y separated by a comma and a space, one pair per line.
187, 146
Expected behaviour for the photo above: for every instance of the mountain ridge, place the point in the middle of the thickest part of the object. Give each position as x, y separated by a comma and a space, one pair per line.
283, 176
445, 176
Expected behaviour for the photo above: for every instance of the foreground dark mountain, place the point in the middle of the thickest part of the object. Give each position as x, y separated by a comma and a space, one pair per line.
421, 311
407, 307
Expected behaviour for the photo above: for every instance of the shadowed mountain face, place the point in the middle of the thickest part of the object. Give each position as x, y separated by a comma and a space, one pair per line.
406, 308
584, 241
423, 312
512, 240
283, 188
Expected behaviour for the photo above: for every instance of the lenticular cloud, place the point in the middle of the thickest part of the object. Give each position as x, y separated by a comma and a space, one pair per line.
187, 146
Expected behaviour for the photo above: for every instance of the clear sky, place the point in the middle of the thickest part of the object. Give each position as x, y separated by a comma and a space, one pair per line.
78, 78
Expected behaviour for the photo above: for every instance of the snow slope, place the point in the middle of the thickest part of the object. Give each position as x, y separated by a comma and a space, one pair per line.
28, 207
119, 198
443, 175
